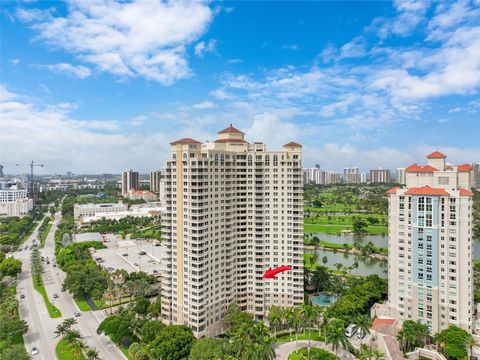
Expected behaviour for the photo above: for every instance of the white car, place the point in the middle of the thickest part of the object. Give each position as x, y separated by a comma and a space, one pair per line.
35, 351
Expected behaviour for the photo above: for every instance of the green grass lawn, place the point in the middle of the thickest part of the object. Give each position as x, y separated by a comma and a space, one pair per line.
44, 234
124, 350
82, 304
64, 352
338, 228
315, 354
52, 310
301, 336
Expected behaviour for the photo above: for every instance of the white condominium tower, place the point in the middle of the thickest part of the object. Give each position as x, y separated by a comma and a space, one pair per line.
233, 211
430, 245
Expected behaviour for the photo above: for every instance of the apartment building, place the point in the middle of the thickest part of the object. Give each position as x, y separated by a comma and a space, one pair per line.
19, 207
155, 178
12, 194
233, 210
129, 181
476, 175
400, 176
320, 177
430, 245
380, 176
351, 175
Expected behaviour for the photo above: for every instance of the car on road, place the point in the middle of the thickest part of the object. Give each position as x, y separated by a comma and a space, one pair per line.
135, 264
25, 248
142, 253
35, 351
76, 314
350, 330
125, 254
54, 265
55, 296
22, 296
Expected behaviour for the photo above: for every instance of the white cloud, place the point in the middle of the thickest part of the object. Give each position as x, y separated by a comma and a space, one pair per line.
205, 47
14, 62
292, 47
127, 39
204, 105
79, 71
354, 48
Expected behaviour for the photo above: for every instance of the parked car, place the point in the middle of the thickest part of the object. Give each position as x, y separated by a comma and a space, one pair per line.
349, 331
55, 296
142, 253
76, 314
361, 334
35, 350
125, 254
22, 296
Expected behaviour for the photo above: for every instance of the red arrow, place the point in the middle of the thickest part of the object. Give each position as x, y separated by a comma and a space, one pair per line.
270, 273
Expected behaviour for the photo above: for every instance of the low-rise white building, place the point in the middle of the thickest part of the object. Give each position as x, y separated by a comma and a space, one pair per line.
141, 195
134, 211
19, 207
12, 194
83, 210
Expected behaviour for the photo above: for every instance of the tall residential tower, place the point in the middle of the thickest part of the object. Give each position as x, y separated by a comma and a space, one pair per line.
430, 245
234, 210
129, 181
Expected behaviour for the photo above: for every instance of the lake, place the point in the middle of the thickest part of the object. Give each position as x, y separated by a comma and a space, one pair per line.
366, 266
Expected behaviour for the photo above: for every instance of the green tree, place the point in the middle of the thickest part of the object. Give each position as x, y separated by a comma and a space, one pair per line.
10, 267
150, 330
36, 264
172, 342
310, 315
359, 225
208, 349
320, 278
413, 334
335, 334
92, 354
453, 342
324, 260
362, 324
275, 316
116, 327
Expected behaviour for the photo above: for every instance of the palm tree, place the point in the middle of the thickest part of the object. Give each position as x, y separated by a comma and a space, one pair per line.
471, 343
297, 322
92, 354
362, 324
81, 347
69, 322
338, 266
288, 316
324, 260
73, 339
275, 316
61, 330
335, 334
309, 314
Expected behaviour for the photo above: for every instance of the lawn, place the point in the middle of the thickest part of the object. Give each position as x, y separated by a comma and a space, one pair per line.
52, 310
315, 354
124, 350
44, 234
338, 228
82, 304
64, 352
286, 337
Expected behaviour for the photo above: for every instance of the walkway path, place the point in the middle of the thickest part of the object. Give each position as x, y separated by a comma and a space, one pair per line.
282, 350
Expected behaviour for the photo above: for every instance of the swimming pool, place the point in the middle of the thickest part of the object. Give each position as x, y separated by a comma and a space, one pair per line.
324, 299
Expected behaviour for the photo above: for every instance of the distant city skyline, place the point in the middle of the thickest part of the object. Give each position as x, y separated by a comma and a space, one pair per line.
356, 85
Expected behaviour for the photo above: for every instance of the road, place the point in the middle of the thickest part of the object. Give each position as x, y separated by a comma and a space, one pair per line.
33, 310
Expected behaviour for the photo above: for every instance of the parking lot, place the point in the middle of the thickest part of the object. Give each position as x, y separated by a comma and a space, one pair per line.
131, 255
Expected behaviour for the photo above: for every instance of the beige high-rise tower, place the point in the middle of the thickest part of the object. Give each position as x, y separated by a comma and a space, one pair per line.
430, 245
233, 211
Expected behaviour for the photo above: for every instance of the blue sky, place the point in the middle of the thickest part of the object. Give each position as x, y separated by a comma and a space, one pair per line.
101, 86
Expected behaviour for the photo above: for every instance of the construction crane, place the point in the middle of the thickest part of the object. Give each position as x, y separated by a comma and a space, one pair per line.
30, 184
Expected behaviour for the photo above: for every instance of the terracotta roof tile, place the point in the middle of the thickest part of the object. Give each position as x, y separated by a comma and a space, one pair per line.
426, 190
185, 141
378, 321
436, 155
420, 168
292, 144
465, 192
230, 130
464, 167
231, 141
393, 190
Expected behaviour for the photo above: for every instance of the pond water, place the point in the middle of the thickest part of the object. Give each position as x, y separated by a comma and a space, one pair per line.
366, 266
377, 240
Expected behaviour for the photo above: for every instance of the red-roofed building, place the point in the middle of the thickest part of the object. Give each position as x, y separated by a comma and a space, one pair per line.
393, 190
427, 190
427, 228
230, 130
436, 155
185, 141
